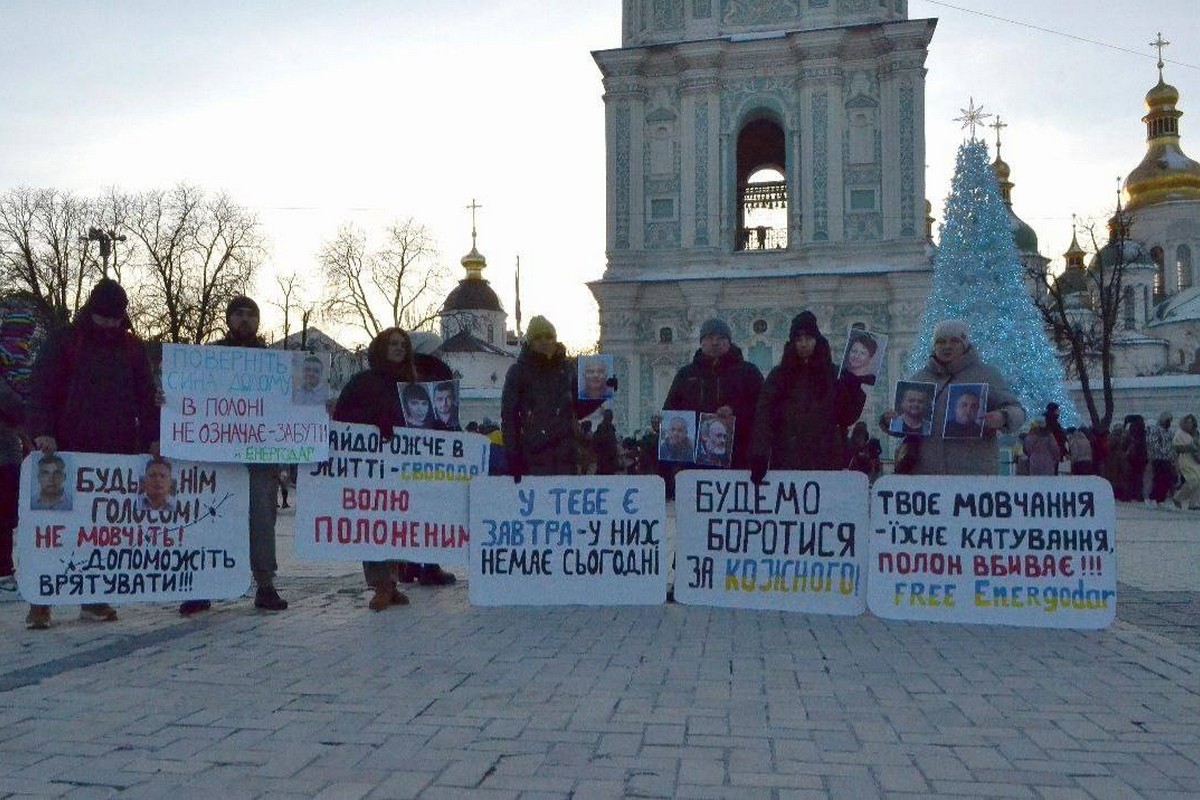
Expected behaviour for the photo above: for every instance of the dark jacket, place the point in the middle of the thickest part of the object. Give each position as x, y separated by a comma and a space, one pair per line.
537, 412
803, 412
372, 397
705, 386
93, 391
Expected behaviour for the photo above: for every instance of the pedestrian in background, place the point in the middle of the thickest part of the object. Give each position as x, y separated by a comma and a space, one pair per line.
1160, 448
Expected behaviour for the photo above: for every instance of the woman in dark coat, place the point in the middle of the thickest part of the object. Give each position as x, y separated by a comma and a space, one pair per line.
371, 398
804, 408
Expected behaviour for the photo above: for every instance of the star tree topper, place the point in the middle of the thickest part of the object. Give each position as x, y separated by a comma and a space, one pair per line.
972, 117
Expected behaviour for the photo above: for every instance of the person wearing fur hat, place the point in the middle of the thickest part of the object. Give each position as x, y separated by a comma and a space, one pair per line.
804, 408
241, 324
92, 391
954, 360
538, 406
719, 381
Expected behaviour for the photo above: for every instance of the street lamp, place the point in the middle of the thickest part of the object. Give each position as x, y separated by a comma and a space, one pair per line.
108, 240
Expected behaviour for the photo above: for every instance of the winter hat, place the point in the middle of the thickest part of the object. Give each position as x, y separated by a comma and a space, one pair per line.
540, 328
240, 302
952, 329
804, 323
1165, 416
424, 342
108, 299
716, 327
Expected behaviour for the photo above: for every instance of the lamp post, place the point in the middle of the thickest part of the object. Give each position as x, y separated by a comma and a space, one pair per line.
108, 241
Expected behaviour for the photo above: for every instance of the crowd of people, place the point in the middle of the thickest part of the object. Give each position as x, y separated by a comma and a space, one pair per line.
1151, 463
91, 389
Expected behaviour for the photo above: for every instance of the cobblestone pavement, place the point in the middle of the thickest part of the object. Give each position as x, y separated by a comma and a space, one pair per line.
441, 699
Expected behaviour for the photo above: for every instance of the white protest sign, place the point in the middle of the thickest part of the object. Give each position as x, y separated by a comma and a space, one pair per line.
243, 404
1039, 552
377, 499
563, 540
121, 529
796, 542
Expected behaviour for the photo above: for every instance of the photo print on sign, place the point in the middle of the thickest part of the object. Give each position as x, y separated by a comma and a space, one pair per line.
966, 404
914, 408
595, 377
677, 436
308, 379
863, 355
714, 440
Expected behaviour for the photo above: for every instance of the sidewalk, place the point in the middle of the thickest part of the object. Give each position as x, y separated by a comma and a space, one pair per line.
440, 699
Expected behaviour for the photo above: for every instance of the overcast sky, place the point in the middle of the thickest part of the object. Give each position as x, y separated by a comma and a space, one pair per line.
315, 113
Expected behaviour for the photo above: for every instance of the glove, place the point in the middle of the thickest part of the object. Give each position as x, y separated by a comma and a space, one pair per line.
516, 466
758, 470
611, 383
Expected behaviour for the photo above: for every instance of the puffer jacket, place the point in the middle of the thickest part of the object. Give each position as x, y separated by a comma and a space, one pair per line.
803, 412
980, 456
705, 385
537, 412
93, 391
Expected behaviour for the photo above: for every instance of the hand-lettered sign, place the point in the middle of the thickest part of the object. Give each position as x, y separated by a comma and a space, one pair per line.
243, 404
379, 499
563, 540
795, 542
1039, 552
120, 529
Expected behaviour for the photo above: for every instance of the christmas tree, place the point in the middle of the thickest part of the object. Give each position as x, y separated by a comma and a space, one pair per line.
977, 278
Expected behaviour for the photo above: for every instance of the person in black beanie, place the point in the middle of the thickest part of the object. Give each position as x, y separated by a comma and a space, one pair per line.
241, 319
804, 408
92, 391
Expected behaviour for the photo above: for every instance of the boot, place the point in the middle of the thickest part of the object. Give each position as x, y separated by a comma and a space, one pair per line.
98, 612
383, 597
407, 572
433, 575
268, 599
38, 618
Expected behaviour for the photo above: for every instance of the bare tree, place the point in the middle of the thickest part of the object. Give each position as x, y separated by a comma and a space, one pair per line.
200, 250
396, 284
293, 300
1081, 309
42, 252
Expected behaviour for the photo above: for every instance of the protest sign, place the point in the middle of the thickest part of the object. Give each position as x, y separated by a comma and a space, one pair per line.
121, 529
1039, 552
376, 499
795, 542
243, 404
562, 540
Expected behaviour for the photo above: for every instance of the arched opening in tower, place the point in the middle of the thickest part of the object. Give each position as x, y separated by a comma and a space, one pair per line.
762, 187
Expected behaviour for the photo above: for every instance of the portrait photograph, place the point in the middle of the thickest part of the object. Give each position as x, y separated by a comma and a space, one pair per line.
50, 489
863, 355
444, 397
157, 485
417, 404
714, 440
308, 379
595, 377
966, 403
677, 436
913, 405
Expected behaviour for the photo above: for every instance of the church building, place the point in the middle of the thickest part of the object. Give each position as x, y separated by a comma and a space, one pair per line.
763, 157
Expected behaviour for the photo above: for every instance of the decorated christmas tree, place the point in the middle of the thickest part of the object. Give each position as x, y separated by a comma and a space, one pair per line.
977, 277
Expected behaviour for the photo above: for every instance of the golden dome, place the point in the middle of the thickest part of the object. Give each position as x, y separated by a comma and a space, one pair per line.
473, 262
1166, 174
1003, 171
1163, 94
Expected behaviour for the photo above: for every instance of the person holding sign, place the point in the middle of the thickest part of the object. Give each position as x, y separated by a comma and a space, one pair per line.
537, 407
718, 381
92, 391
371, 398
241, 321
955, 361
805, 407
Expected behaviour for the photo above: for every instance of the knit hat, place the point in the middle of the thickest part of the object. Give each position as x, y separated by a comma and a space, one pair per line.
952, 329
424, 342
240, 302
716, 327
1165, 416
540, 328
108, 299
804, 323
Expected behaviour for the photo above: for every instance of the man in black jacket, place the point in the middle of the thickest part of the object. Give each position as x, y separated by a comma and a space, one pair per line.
719, 381
538, 407
241, 319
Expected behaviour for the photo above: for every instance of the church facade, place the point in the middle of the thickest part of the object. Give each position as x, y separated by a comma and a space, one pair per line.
763, 157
